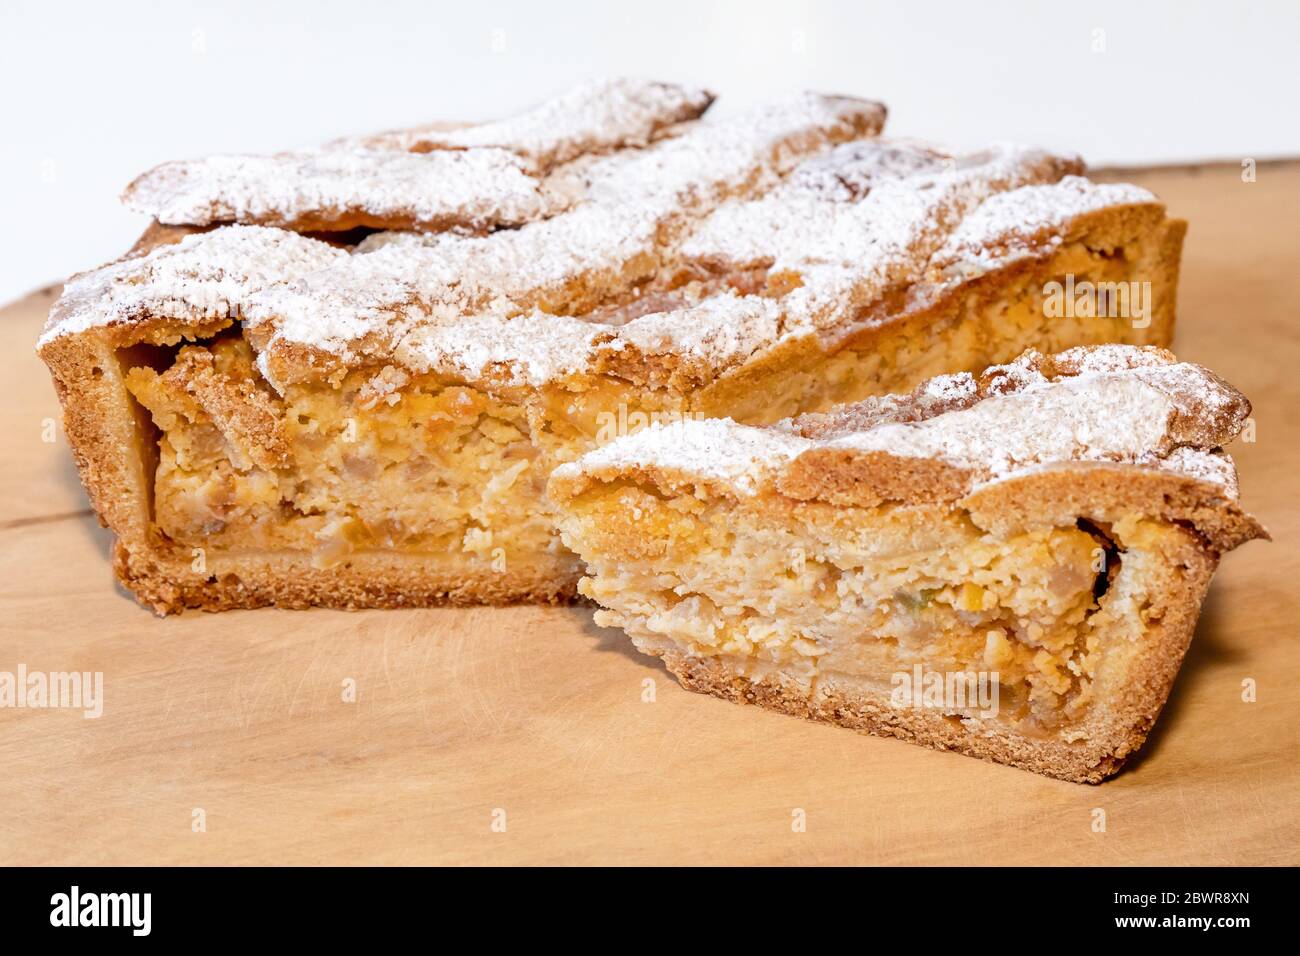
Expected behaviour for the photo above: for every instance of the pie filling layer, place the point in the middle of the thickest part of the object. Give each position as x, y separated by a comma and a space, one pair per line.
864, 595
376, 462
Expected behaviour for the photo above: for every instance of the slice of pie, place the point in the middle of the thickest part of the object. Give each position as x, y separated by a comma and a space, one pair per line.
342, 376
1010, 565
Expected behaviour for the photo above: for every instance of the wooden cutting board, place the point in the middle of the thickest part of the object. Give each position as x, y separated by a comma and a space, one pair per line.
464, 719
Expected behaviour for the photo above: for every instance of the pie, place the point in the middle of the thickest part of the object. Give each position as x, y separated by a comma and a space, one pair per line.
1008, 565
343, 376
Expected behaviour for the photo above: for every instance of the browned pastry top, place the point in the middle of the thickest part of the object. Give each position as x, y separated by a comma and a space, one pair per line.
643, 241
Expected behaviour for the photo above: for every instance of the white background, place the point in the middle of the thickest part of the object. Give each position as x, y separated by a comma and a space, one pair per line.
93, 93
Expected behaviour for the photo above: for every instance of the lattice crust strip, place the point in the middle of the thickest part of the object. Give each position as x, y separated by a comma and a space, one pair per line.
475, 178
205, 276
594, 117
335, 190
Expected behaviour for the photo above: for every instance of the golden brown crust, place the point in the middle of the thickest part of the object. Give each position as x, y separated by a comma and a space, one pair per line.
109, 436
156, 234
1102, 491
373, 580
866, 479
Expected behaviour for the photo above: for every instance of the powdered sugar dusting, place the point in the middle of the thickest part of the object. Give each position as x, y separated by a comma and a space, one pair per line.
719, 332
1014, 221
847, 173
799, 195
627, 199
1104, 417
714, 159
630, 202
533, 347
906, 199
1112, 404
475, 189
1109, 403
596, 116
204, 276
590, 241
476, 177
1211, 466
712, 449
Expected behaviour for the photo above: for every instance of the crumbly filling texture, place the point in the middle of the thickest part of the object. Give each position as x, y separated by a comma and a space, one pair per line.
862, 594
376, 461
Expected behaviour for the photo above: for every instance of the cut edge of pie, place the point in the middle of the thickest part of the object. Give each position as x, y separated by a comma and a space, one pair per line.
1048, 528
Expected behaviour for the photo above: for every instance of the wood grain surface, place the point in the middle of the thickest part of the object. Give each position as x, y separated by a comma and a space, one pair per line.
534, 717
